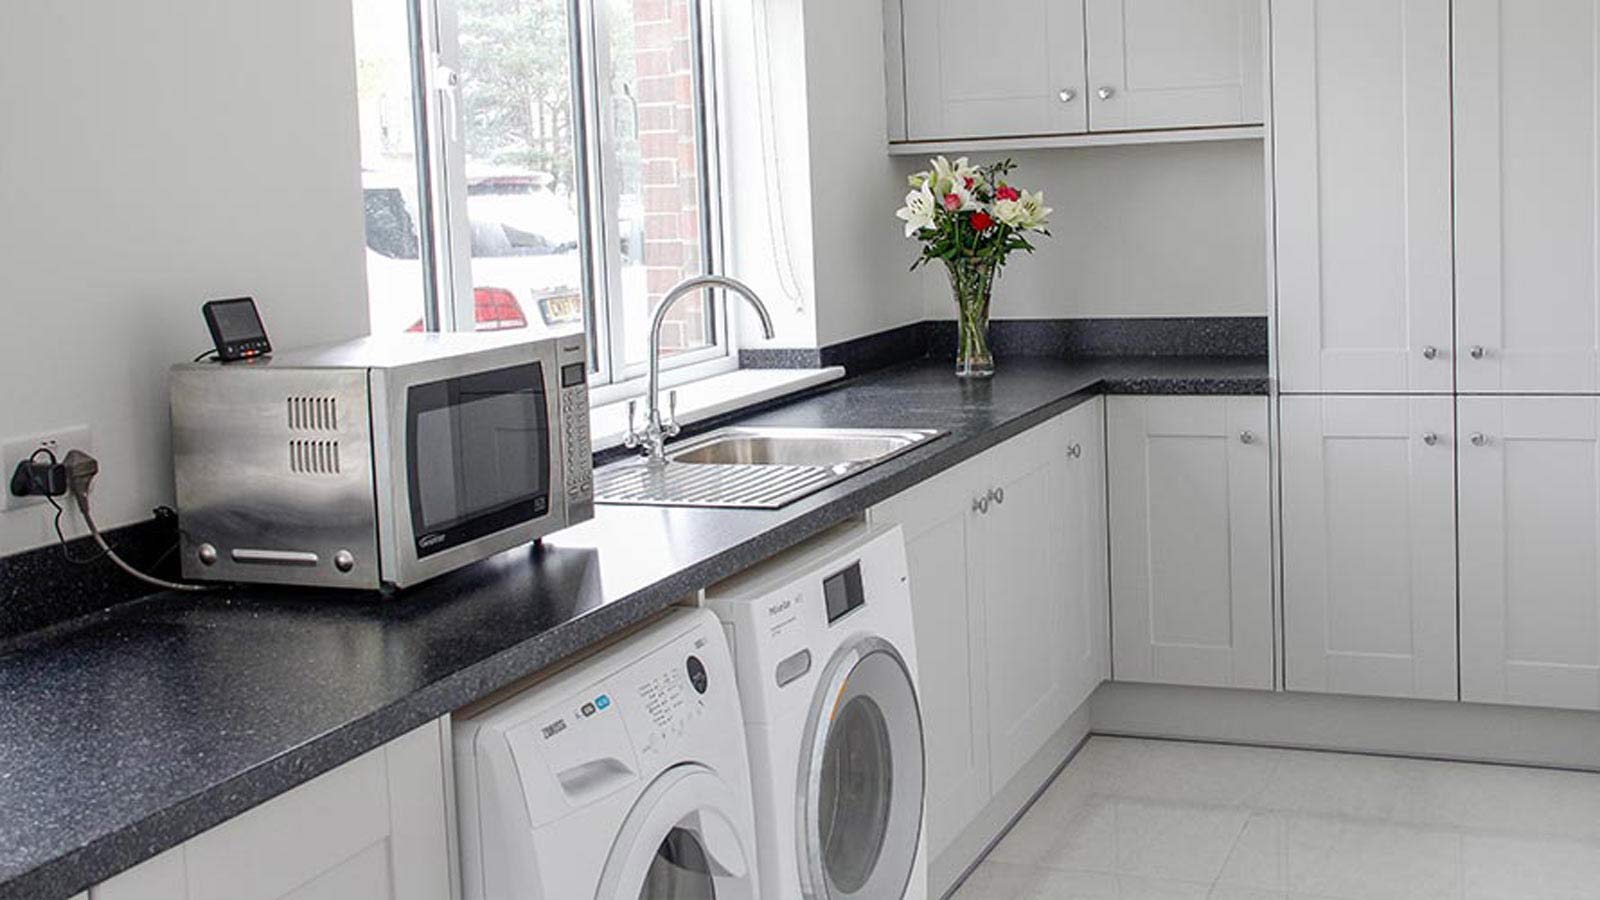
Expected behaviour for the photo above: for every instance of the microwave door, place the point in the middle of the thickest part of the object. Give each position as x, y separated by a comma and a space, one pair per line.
478, 465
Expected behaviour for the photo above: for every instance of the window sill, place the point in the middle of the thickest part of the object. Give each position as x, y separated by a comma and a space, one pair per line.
708, 397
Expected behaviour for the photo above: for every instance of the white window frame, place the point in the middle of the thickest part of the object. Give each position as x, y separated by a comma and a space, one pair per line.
440, 128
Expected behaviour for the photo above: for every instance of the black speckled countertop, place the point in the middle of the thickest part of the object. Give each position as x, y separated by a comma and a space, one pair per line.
124, 733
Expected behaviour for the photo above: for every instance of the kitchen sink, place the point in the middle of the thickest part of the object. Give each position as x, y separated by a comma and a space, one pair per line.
754, 468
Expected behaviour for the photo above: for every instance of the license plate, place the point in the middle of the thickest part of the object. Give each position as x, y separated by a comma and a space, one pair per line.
559, 309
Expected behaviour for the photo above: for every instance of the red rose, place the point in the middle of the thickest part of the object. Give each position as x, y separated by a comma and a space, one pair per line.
970, 183
1007, 192
952, 202
982, 221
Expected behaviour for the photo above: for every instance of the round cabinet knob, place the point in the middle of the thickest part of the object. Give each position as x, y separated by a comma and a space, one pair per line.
207, 554
980, 505
1477, 352
344, 560
1430, 438
1430, 352
1106, 93
1068, 95
1000, 495
1247, 437
1074, 451
1479, 439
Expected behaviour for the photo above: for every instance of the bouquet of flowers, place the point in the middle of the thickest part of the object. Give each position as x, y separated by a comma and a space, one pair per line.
972, 219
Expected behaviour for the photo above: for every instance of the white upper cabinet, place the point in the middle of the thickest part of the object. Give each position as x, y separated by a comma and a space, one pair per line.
1361, 143
1369, 552
1173, 63
1530, 528
1527, 236
1191, 544
1036, 68
959, 83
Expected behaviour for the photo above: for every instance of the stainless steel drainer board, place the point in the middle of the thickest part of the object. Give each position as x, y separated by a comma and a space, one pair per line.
736, 486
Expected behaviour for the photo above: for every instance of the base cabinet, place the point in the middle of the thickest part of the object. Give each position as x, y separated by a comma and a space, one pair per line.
375, 828
1369, 553
1530, 550
1007, 556
1191, 541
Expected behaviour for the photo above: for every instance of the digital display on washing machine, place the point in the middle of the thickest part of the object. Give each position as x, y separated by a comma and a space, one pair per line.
843, 592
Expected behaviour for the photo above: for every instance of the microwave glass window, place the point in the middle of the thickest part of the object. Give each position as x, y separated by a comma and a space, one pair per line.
479, 455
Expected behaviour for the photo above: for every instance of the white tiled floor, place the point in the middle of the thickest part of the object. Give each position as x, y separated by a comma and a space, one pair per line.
1132, 819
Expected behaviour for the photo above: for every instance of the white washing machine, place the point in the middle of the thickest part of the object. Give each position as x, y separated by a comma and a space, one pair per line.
623, 777
827, 672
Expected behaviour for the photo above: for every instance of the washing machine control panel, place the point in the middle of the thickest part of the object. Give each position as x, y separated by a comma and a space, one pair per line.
672, 699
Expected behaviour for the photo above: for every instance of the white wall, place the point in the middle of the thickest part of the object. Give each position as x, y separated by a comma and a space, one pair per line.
861, 259
1138, 231
158, 153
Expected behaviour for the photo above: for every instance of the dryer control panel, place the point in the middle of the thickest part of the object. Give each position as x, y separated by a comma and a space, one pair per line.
789, 614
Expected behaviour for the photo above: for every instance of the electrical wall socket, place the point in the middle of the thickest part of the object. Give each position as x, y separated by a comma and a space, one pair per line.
15, 450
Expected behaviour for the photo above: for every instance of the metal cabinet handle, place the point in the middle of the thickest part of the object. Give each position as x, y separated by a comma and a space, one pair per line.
1247, 437
1430, 352
1106, 93
1430, 438
980, 505
1068, 95
1477, 352
1074, 451
1479, 439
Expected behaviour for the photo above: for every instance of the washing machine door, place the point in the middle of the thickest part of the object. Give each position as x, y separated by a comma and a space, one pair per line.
861, 778
682, 841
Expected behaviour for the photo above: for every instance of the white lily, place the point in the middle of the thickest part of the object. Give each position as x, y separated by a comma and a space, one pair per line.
1036, 216
952, 178
919, 211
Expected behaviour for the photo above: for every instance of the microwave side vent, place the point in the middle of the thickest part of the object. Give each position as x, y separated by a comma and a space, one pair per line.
314, 457
313, 413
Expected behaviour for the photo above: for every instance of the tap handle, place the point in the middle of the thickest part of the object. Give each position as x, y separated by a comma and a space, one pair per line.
632, 440
672, 413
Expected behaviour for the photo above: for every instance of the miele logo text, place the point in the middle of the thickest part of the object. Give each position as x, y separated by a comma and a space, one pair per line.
782, 606
430, 540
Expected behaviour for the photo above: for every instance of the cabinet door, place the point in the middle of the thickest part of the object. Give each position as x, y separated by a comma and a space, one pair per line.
1173, 63
1028, 591
939, 524
375, 828
1361, 143
1369, 562
1526, 212
1530, 526
1191, 540
1000, 68
1086, 551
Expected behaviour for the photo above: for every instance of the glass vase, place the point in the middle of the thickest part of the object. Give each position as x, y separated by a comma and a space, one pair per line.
972, 281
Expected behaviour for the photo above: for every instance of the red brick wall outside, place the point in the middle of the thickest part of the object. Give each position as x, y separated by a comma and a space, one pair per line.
669, 167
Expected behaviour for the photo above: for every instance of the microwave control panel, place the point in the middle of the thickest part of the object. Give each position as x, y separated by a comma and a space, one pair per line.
575, 432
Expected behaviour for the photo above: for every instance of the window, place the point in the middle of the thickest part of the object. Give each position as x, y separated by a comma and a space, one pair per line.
541, 164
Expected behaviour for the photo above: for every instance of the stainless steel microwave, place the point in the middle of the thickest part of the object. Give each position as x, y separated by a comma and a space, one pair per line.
381, 462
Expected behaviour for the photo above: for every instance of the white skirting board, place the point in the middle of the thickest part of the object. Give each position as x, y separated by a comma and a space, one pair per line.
1415, 728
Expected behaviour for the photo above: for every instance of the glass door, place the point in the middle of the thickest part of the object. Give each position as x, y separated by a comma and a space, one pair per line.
864, 777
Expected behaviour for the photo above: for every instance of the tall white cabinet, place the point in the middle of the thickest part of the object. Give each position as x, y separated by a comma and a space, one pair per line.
1530, 550
1527, 147
1369, 563
1361, 162
1191, 543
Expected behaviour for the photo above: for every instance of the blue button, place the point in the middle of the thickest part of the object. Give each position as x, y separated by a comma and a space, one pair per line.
602, 701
